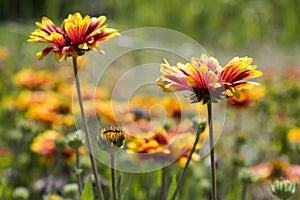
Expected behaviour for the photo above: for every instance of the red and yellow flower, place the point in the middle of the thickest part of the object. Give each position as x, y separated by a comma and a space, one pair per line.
75, 36
247, 97
174, 145
44, 144
207, 80
277, 169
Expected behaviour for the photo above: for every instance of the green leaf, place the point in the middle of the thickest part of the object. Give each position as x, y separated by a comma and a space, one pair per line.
87, 193
119, 186
172, 188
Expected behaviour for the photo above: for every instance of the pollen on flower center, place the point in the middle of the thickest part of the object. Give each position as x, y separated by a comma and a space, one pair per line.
111, 138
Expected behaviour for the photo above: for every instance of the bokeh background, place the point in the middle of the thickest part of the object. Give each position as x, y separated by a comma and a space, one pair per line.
268, 31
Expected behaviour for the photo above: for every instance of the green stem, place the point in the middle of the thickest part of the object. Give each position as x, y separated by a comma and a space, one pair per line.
113, 176
244, 192
78, 175
163, 184
212, 153
85, 127
236, 129
181, 176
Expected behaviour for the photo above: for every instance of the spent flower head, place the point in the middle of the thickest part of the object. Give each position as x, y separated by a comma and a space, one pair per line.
75, 36
112, 139
207, 80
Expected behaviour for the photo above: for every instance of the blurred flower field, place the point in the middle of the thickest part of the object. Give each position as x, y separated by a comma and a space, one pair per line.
42, 156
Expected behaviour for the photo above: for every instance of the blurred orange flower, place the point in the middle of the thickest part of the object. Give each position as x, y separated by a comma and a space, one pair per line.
4, 53
29, 98
247, 97
173, 144
277, 169
56, 115
44, 144
33, 79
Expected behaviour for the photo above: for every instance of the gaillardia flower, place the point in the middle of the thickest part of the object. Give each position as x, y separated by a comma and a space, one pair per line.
110, 140
207, 80
247, 97
45, 145
277, 169
75, 36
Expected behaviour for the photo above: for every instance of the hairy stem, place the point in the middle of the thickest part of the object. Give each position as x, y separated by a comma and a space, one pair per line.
181, 176
212, 153
78, 175
113, 176
85, 127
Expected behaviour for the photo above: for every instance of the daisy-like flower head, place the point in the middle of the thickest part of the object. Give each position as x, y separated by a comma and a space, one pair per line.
236, 73
112, 139
276, 169
76, 35
173, 145
206, 79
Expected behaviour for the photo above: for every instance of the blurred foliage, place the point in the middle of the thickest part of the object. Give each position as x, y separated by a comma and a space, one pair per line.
223, 23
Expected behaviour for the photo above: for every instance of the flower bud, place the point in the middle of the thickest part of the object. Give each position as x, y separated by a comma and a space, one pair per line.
20, 193
284, 188
199, 125
111, 140
74, 140
70, 190
60, 144
238, 160
247, 176
241, 138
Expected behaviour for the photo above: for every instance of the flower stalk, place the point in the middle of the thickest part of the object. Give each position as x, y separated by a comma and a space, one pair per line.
85, 127
200, 128
163, 184
78, 174
212, 152
113, 176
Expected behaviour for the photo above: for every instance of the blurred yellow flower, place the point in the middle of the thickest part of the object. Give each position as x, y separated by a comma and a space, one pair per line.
293, 135
53, 197
293, 138
28, 98
75, 36
44, 144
